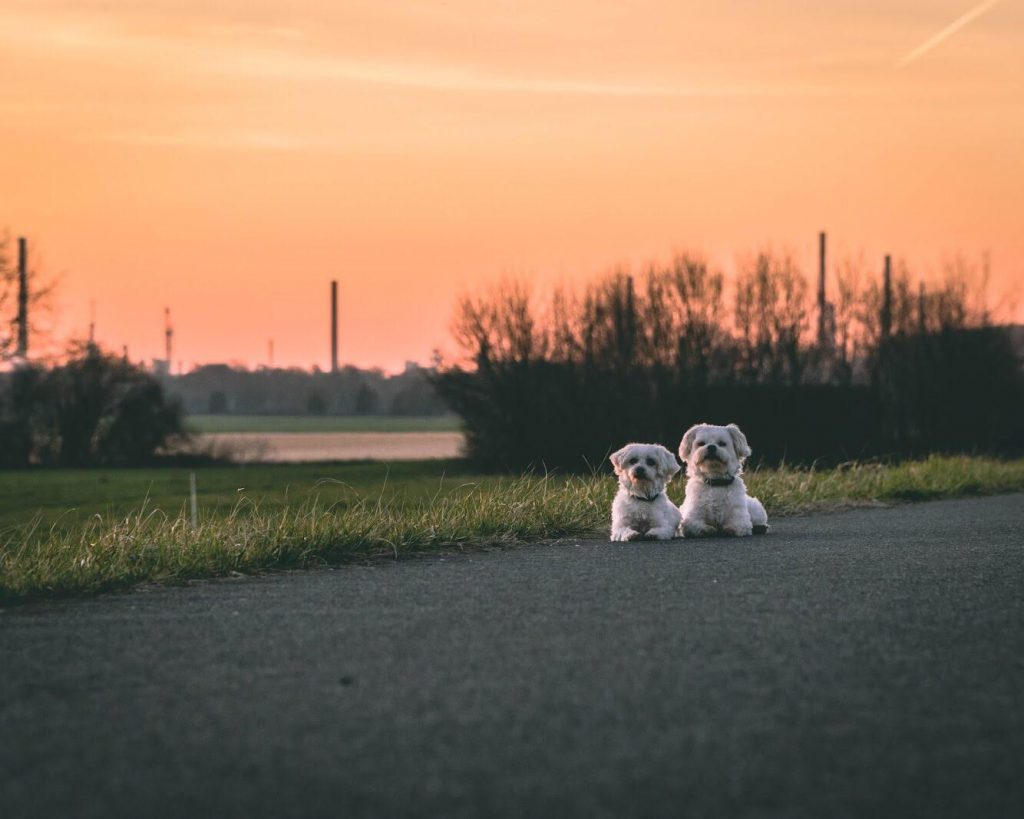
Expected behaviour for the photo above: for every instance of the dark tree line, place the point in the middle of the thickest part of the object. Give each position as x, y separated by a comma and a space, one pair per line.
221, 388
641, 358
94, 409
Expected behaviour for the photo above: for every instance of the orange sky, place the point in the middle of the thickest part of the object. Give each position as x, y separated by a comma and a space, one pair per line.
229, 157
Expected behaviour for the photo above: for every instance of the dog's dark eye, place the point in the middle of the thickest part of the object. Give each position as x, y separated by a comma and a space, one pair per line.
722, 444
650, 461
633, 460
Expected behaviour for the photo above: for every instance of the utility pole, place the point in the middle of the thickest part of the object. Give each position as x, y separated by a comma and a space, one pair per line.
22, 298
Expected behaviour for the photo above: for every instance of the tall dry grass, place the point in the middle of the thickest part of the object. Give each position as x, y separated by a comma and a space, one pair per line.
110, 553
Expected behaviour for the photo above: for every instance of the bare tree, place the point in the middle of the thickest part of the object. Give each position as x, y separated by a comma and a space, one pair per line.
848, 341
701, 333
772, 316
498, 326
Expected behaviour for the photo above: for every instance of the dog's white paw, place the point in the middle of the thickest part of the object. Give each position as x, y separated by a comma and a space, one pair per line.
626, 534
696, 528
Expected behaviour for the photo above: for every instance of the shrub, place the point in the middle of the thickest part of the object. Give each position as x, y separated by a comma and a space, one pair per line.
93, 409
642, 359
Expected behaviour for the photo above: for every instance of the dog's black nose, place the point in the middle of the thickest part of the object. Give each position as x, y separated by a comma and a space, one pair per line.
712, 449
641, 472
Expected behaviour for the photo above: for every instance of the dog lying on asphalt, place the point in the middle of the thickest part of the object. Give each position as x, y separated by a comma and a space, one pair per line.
641, 509
716, 497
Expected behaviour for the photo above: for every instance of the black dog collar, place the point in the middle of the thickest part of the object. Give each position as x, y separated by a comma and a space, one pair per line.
726, 481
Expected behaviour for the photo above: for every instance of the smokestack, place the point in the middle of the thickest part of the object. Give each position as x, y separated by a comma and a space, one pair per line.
887, 298
168, 337
822, 319
334, 325
22, 298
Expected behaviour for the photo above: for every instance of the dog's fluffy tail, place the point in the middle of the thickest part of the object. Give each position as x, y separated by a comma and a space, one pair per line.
758, 516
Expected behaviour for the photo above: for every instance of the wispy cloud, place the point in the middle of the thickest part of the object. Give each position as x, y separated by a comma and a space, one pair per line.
947, 32
294, 66
208, 139
232, 57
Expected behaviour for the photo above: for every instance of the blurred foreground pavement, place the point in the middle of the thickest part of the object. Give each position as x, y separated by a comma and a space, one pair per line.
863, 663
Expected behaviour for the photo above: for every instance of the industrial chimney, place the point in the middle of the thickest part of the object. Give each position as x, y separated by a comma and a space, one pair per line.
334, 325
22, 298
168, 337
822, 303
887, 297
821, 287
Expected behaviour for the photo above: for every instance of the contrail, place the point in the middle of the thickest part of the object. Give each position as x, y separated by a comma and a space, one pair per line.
949, 30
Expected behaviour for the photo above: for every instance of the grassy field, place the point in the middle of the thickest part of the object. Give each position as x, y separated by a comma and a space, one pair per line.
322, 423
73, 532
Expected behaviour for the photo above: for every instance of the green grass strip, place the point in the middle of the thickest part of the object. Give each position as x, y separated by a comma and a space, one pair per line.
108, 552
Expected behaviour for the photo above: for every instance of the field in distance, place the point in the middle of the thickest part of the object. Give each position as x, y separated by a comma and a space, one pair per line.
210, 424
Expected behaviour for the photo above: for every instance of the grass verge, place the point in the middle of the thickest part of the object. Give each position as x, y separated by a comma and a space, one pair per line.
345, 523
66, 499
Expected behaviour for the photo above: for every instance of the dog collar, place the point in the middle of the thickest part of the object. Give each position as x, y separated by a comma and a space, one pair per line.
646, 500
726, 481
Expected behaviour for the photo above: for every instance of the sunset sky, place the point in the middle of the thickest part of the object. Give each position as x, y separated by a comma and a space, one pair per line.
228, 158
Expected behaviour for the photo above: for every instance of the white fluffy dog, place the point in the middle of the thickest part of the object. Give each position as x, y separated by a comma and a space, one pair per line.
641, 508
716, 497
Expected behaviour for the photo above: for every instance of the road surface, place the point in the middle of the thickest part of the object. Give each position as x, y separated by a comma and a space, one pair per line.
869, 663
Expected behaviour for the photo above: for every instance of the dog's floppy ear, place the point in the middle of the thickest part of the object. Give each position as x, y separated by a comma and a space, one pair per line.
616, 458
686, 445
669, 465
739, 441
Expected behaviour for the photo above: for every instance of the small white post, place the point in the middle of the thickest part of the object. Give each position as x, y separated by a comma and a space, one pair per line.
192, 498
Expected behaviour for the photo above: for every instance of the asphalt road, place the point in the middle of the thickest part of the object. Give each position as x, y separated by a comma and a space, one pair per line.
869, 663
